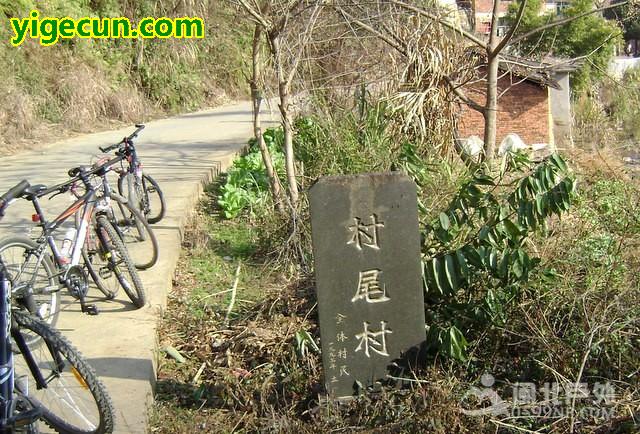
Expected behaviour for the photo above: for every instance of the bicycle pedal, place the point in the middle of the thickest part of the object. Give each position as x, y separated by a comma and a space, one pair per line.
105, 273
90, 309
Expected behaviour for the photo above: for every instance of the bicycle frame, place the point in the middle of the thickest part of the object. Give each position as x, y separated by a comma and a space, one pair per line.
6, 355
9, 333
85, 202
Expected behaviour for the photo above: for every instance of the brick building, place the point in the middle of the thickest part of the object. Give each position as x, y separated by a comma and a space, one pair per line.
523, 109
478, 13
532, 104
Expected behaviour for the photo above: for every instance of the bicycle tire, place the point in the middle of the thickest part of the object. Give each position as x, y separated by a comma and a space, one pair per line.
131, 190
45, 289
143, 195
75, 400
152, 189
134, 228
96, 263
121, 263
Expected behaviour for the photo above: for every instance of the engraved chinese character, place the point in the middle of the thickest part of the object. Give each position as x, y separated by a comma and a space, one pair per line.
376, 341
369, 287
341, 337
343, 370
334, 379
340, 318
342, 354
365, 234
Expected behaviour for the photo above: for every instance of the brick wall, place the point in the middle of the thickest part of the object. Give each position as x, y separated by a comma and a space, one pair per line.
486, 6
523, 110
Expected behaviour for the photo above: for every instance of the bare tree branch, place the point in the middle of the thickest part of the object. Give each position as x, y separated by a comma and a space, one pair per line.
507, 38
351, 19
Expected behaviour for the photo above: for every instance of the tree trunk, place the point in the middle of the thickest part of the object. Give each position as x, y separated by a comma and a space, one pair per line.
491, 110
491, 105
256, 97
287, 122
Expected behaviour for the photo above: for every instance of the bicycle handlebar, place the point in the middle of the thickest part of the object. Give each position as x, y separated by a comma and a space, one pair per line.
139, 127
13, 193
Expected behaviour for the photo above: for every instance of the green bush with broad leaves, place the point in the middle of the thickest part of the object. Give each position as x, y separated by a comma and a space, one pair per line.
475, 259
247, 184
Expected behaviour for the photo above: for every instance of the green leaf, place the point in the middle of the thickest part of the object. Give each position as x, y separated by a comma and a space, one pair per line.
438, 275
550, 176
559, 162
484, 233
444, 221
462, 264
482, 179
473, 256
474, 191
455, 344
539, 207
516, 268
450, 270
512, 230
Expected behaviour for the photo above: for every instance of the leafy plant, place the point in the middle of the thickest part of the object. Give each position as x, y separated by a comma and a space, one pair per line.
591, 35
475, 259
247, 184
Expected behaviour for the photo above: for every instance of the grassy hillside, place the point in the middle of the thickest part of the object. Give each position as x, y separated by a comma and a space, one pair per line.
79, 84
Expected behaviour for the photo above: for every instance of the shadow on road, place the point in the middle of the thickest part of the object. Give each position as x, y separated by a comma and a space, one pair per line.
123, 367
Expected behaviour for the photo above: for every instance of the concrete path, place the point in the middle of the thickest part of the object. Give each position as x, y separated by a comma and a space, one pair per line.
180, 153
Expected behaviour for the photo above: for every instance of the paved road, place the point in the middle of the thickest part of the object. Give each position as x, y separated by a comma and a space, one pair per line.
180, 153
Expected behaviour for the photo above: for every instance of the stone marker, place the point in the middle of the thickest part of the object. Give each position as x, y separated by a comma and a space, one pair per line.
366, 246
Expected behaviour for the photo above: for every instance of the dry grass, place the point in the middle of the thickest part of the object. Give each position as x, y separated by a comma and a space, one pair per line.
17, 112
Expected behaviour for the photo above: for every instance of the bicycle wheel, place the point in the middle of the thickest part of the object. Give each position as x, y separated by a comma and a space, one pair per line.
133, 228
98, 268
29, 274
120, 262
145, 195
74, 399
130, 187
155, 199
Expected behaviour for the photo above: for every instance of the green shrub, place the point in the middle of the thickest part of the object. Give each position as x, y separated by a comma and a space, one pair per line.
345, 143
476, 260
247, 184
625, 106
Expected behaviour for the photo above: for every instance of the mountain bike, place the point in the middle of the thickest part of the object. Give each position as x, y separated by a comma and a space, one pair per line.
48, 380
28, 259
131, 226
141, 190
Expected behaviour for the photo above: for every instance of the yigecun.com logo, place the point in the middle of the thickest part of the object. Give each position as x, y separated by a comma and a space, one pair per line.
49, 30
550, 400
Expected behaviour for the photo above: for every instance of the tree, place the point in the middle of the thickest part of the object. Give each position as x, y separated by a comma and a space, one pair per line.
589, 36
256, 99
288, 25
493, 49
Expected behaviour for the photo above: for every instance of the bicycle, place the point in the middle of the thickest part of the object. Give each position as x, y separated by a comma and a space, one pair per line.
68, 396
66, 269
139, 188
127, 220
